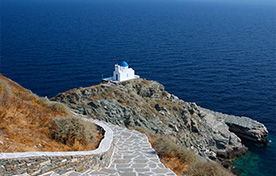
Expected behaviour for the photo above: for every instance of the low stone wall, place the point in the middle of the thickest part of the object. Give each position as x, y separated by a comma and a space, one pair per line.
35, 163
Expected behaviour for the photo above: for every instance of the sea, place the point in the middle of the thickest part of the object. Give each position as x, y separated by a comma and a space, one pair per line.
220, 54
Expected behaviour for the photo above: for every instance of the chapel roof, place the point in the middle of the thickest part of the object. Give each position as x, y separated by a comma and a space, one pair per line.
124, 64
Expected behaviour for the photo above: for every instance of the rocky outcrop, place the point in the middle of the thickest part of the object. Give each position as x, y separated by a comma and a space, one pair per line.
243, 127
145, 105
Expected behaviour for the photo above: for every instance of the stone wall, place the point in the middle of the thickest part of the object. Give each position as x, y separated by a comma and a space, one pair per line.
35, 163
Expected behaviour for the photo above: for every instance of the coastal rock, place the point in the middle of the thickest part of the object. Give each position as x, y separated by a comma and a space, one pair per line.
243, 127
145, 105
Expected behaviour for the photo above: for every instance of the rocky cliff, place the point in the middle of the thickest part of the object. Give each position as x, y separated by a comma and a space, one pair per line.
145, 105
244, 127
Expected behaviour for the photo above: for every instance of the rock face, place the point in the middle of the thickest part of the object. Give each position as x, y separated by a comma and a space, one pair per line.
145, 105
243, 127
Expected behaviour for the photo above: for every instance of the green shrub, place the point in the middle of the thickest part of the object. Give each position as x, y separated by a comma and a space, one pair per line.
69, 130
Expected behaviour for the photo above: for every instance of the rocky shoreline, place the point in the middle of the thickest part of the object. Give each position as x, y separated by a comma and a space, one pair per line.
146, 106
244, 127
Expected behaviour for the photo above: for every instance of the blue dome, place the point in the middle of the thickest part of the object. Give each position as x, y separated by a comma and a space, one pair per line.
124, 64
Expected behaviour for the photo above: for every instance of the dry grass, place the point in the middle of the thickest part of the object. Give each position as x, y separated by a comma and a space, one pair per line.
204, 168
183, 161
170, 105
172, 156
54, 106
165, 147
24, 119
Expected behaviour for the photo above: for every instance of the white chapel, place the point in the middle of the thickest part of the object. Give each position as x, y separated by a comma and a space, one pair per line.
122, 72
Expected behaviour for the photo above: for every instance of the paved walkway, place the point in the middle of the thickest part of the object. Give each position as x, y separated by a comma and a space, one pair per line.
133, 156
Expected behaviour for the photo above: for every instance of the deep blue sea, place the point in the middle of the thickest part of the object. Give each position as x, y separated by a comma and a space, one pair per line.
220, 54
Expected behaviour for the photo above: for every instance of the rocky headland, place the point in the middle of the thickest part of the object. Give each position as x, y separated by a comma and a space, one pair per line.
146, 106
243, 127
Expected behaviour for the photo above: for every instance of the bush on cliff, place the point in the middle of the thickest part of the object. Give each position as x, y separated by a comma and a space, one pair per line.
73, 131
55, 106
165, 147
172, 155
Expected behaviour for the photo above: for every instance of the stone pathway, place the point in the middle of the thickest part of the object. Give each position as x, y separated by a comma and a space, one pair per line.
133, 156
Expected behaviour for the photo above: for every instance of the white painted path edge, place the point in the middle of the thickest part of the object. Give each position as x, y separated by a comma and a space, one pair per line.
103, 147
133, 156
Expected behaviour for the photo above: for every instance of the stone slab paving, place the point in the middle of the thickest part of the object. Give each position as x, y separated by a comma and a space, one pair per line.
133, 156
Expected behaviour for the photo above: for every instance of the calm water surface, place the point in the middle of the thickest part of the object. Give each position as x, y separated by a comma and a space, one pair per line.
220, 55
